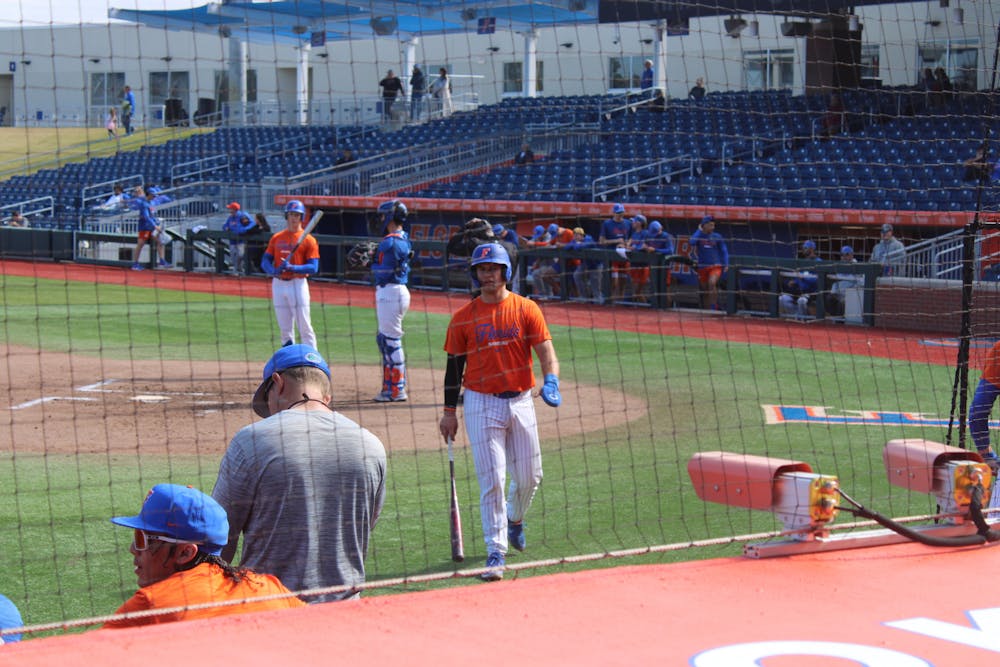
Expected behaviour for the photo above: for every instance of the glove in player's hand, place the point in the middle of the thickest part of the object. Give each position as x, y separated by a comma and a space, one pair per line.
362, 254
550, 391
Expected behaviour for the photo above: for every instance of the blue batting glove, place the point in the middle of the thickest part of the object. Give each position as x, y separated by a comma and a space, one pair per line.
282, 267
550, 391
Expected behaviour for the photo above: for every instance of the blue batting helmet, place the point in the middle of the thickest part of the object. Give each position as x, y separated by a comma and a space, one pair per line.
490, 253
392, 211
295, 206
809, 245
655, 227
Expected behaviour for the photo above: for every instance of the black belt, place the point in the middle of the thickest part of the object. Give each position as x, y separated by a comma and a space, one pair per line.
288, 279
508, 394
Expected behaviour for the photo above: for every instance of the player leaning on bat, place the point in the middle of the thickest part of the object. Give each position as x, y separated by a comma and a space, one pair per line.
390, 273
489, 344
290, 262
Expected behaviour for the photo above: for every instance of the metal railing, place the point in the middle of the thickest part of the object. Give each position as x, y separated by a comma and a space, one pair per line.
198, 168
939, 257
91, 196
660, 171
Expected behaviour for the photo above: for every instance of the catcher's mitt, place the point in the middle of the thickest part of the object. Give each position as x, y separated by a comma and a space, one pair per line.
361, 255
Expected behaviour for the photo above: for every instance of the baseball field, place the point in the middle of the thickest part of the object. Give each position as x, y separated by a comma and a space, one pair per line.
114, 381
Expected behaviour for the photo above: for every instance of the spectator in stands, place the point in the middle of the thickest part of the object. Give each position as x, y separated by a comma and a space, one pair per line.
525, 155
128, 110
712, 255
638, 273
646, 80
238, 224
177, 539
441, 91
943, 83
697, 91
837, 297
977, 167
16, 220
10, 617
345, 159
111, 123
613, 236
418, 88
889, 252
391, 87
118, 201
834, 118
799, 289
658, 103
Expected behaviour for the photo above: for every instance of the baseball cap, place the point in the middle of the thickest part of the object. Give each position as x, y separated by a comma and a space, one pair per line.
10, 617
183, 513
553, 229
707, 218
235, 206
847, 250
655, 226
290, 356
579, 230
639, 218
886, 228
618, 208
808, 245
539, 232
498, 229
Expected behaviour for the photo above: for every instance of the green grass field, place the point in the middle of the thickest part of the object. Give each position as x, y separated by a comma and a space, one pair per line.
616, 488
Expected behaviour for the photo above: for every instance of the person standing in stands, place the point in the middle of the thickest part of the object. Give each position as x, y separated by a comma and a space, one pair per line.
441, 91
697, 91
128, 110
889, 252
418, 87
646, 80
391, 87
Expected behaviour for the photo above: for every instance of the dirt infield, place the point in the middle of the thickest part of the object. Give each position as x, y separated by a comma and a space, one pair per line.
60, 403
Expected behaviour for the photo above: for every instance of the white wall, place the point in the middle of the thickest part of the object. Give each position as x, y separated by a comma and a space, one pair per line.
57, 80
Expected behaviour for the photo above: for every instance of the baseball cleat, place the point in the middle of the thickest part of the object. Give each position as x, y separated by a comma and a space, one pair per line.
383, 397
515, 535
495, 561
137, 267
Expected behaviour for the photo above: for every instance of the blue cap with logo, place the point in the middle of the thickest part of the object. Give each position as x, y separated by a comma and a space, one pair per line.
497, 229
847, 250
539, 232
290, 356
183, 513
618, 208
809, 245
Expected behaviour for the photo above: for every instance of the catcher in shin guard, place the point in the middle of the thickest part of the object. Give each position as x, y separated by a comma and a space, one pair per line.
390, 273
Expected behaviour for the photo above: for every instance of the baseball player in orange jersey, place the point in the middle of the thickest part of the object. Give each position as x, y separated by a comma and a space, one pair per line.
290, 289
986, 395
489, 344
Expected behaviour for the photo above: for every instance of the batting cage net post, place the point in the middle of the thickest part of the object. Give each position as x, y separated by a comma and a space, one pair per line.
799, 145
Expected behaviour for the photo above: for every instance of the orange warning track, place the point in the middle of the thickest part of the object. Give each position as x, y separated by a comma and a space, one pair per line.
829, 337
804, 611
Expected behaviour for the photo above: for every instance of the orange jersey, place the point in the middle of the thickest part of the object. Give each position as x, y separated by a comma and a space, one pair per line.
991, 371
202, 584
496, 339
564, 236
282, 242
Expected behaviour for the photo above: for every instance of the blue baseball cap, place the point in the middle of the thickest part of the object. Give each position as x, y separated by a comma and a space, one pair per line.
847, 250
553, 229
655, 227
809, 245
10, 617
539, 232
497, 229
290, 356
639, 218
618, 208
707, 219
183, 513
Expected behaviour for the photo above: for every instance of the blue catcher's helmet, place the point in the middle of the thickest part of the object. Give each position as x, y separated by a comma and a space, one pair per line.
490, 253
392, 210
295, 206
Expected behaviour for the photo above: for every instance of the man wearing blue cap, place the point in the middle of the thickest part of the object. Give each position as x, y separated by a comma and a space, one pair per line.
837, 297
176, 541
800, 288
614, 235
304, 486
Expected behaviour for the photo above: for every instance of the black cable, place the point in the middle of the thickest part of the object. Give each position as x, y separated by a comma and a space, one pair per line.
909, 533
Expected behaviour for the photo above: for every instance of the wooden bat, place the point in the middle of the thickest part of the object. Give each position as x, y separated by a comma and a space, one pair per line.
457, 550
305, 232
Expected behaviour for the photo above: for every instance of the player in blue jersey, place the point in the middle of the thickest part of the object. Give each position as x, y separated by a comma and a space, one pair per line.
614, 234
799, 289
390, 273
712, 254
238, 223
148, 228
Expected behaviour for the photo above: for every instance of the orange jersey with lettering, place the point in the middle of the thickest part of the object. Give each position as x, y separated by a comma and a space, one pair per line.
991, 371
281, 244
496, 339
202, 584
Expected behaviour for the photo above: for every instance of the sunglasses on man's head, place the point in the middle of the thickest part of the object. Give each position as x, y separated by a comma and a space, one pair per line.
141, 539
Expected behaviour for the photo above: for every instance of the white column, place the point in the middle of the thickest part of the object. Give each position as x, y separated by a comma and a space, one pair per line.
409, 60
660, 57
302, 85
238, 51
530, 66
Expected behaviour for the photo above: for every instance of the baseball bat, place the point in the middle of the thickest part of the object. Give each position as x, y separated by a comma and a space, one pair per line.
457, 550
305, 232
